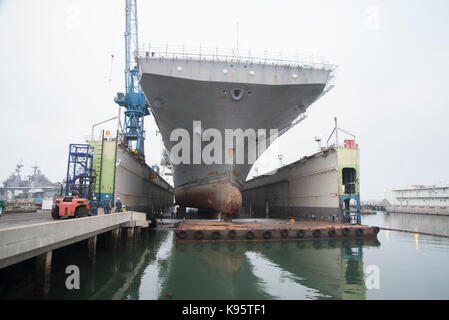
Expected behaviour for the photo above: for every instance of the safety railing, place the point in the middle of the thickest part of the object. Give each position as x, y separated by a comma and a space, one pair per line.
246, 56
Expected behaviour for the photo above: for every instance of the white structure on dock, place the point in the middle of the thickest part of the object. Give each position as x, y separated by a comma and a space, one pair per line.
419, 199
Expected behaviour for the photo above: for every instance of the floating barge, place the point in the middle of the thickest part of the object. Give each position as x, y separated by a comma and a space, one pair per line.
270, 230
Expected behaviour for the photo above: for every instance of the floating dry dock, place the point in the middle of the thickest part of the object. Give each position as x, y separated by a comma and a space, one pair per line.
273, 230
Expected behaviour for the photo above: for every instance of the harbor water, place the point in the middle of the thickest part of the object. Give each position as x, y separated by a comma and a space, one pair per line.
395, 266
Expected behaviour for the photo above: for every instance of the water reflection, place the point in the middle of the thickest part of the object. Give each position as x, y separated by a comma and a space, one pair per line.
117, 274
258, 270
416, 239
275, 281
159, 267
153, 277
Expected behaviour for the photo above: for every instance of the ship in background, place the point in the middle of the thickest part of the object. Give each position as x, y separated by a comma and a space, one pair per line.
35, 186
419, 199
225, 90
28, 194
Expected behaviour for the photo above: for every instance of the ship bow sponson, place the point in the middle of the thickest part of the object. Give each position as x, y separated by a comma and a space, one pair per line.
224, 196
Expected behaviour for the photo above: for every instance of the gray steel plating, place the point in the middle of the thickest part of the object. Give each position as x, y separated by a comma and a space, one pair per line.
223, 95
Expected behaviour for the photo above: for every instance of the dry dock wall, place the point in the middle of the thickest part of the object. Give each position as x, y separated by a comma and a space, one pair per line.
120, 173
322, 185
138, 186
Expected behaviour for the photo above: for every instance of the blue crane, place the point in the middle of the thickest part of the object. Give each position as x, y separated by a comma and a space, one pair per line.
133, 100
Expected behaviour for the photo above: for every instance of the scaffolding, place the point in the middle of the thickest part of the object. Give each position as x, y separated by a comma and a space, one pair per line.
80, 177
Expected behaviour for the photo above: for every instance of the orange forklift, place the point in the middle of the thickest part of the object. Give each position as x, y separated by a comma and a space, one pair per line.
79, 184
70, 206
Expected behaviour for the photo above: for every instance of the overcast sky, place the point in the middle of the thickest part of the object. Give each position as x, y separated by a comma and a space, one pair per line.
391, 88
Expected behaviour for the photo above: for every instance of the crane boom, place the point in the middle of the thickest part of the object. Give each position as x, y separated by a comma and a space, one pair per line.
133, 100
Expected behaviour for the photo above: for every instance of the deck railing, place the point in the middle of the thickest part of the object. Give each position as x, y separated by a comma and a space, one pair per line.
246, 56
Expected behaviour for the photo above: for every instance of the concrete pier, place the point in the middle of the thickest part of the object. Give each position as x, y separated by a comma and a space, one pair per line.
23, 242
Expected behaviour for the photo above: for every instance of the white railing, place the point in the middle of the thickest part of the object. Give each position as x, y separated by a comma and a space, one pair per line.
233, 55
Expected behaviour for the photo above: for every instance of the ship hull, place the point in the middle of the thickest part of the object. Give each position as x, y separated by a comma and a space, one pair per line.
223, 196
178, 101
